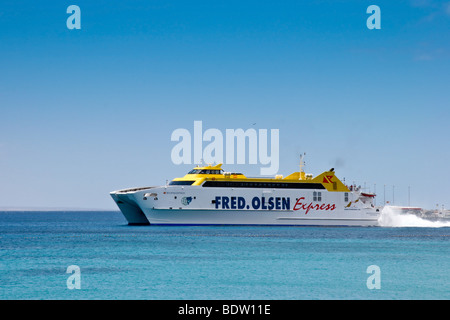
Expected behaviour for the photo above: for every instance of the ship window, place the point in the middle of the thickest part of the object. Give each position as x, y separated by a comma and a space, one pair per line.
182, 183
317, 196
346, 197
194, 171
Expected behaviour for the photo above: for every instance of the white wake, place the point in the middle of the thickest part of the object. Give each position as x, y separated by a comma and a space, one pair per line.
392, 218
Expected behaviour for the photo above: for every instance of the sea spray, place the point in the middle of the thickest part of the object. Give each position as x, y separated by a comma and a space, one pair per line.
390, 217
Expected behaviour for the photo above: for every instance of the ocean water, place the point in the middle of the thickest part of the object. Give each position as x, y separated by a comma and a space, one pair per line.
117, 261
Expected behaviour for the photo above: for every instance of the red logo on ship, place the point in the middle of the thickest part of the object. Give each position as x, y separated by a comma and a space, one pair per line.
305, 206
327, 179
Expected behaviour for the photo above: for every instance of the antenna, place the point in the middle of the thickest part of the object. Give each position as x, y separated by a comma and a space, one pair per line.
302, 164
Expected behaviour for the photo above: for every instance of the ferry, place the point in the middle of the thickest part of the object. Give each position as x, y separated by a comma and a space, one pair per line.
207, 195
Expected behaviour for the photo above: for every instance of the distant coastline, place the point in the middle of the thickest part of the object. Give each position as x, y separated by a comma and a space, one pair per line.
42, 209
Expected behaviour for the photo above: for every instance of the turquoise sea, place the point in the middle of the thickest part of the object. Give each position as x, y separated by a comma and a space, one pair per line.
117, 261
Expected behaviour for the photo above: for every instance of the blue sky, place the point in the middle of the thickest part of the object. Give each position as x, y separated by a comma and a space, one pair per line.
85, 112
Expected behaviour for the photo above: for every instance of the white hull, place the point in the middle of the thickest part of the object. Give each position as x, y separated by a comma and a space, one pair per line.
167, 208
218, 217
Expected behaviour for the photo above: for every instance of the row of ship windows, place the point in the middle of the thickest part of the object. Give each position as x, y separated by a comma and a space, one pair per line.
199, 171
253, 184
317, 195
242, 184
235, 184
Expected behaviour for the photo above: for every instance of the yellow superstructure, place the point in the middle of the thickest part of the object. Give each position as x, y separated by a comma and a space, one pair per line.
201, 174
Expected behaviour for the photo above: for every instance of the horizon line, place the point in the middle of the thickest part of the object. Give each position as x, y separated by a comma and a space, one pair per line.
2, 209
